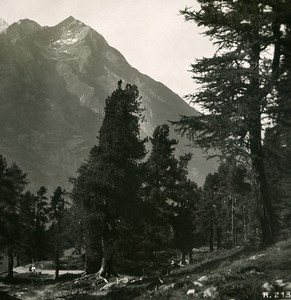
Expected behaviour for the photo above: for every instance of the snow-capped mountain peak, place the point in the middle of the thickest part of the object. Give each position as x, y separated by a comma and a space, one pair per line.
56, 83
3, 25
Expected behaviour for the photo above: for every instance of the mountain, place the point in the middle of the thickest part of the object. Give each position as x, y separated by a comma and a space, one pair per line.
53, 86
3, 25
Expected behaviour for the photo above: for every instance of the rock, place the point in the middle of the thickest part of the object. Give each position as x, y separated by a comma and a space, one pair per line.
255, 257
267, 287
287, 287
210, 292
125, 279
280, 283
99, 294
197, 283
136, 280
165, 287
256, 272
203, 279
251, 269
191, 292
108, 286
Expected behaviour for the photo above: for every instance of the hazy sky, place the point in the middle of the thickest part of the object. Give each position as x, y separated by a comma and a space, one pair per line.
151, 34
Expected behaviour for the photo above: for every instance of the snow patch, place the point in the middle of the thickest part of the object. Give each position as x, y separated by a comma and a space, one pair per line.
68, 41
3, 25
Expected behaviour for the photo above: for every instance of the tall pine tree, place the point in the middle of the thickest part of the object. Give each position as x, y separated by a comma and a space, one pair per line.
238, 85
12, 184
57, 211
40, 211
108, 185
169, 196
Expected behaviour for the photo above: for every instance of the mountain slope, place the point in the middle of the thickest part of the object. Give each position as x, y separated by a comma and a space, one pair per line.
3, 25
53, 86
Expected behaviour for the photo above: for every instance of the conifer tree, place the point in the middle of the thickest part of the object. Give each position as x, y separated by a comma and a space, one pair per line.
34, 218
57, 210
236, 192
12, 184
223, 213
161, 173
40, 211
108, 185
238, 85
184, 221
169, 196
208, 211
278, 139
27, 217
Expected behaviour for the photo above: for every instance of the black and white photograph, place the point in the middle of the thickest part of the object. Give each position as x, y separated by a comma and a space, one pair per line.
145, 149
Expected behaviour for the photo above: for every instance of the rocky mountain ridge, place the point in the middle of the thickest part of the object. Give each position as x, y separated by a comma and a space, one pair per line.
3, 25
53, 86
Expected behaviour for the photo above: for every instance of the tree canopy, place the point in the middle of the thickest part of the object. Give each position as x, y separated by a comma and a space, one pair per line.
108, 185
239, 85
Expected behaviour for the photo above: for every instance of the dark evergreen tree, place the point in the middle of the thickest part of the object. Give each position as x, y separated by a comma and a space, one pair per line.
278, 139
34, 219
87, 214
237, 84
237, 196
12, 184
169, 197
185, 219
57, 212
208, 216
75, 231
108, 185
159, 184
26, 251
278, 161
223, 214
40, 211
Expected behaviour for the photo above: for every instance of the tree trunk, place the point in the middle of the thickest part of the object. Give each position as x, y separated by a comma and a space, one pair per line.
190, 256
266, 212
245, 225
17, 261
218, 236
10, 262
57, 262
233, 222
183, 257
106, 269
92, 263
211, 233
58, 229
265, 209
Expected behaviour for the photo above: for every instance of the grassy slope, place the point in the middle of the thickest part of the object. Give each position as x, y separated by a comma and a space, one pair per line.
237, 273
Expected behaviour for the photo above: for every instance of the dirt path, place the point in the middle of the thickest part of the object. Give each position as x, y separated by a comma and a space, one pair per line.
24, 270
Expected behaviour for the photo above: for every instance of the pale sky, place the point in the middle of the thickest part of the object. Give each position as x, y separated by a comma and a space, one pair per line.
151, 34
